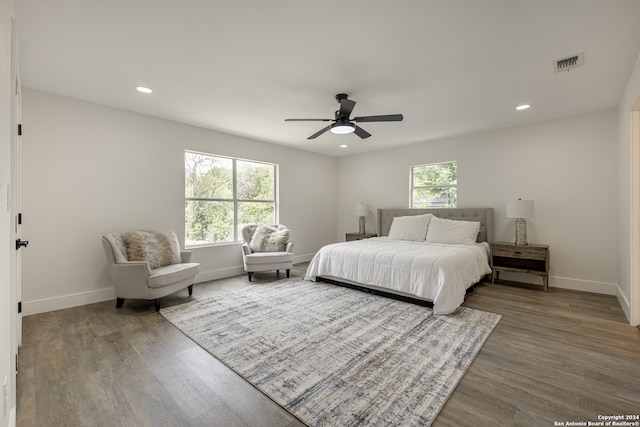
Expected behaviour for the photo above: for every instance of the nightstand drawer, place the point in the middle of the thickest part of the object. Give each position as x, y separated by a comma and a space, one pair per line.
522, 251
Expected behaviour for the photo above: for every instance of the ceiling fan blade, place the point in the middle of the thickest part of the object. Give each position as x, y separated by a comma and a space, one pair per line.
361, 132
383, 118
320, 132
346, 107
307, 120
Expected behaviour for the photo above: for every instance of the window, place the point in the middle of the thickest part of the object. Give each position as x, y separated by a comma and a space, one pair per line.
434, 185
222, 195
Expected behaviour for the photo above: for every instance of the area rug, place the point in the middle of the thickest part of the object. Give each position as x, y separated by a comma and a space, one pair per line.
334, 356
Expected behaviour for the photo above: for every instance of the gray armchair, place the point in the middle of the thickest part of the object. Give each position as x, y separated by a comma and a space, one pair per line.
266, 248
137, 279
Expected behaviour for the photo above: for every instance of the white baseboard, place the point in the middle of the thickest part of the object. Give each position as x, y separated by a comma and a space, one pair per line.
222, 273
583, 285
564, 283
67, 301
206, 276
91, 297
303, 258
624, 304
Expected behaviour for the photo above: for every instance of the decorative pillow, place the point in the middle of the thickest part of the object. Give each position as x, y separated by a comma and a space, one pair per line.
268, 238
412, 228
156, 248
451, 231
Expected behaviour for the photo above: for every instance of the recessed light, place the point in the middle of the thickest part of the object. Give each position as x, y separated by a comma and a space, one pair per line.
523, 107
143, 89
344, 146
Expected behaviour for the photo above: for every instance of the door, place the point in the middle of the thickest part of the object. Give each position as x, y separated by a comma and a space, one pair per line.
15, 202
635, 216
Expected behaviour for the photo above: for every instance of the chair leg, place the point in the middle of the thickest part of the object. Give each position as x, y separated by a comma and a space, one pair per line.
190, 290
288, 272
157, 303
119, 302
277, 274
249, 274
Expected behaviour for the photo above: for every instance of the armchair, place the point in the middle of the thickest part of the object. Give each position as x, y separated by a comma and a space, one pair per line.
147, 265
266, 248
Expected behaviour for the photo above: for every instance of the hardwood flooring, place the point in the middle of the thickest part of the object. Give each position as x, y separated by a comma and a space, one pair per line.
554, 357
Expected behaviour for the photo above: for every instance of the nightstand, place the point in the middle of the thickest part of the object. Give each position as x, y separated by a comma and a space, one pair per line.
530, 259
357, 236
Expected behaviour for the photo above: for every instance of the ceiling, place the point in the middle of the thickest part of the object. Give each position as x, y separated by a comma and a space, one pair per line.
451, 67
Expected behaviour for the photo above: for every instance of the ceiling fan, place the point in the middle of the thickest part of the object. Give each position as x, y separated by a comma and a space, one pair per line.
343, 124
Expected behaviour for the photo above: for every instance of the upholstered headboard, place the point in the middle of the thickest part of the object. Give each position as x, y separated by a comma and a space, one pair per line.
483, 215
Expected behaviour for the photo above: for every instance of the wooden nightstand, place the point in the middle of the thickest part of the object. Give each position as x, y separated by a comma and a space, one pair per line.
530, 259
357, 236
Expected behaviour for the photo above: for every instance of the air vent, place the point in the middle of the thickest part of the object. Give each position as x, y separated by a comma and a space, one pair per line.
566, 64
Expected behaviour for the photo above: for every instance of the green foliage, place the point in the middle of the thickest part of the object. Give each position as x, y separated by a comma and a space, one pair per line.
207, 177
255, 181
434, 186
209, 198
436, 174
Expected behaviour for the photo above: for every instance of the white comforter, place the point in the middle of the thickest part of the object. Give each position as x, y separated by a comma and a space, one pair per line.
437, 272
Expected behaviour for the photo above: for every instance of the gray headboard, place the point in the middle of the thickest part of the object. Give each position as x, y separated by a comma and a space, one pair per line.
483, 215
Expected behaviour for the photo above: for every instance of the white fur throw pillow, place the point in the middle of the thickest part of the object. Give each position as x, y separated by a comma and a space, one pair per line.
268, 238
156, 248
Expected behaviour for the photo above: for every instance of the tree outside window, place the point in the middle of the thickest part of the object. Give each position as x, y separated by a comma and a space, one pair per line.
223, 194
434, 185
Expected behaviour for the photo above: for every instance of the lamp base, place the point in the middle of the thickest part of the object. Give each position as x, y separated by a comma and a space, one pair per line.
521, 231
361, 224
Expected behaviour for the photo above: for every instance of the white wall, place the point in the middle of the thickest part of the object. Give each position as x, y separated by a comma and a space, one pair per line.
568, 167
630, 98
90, 169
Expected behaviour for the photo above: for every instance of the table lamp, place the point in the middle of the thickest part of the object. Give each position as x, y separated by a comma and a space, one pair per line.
520, 209
362, 210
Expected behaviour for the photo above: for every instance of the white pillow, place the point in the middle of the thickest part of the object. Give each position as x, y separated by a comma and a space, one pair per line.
451, 231
413, 228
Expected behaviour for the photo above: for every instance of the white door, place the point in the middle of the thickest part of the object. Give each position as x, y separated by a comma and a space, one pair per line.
635, 216
16, 108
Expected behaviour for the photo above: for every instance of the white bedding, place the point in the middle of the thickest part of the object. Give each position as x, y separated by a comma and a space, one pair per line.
437, 272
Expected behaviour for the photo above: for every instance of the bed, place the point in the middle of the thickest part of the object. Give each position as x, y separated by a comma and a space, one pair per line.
435, 268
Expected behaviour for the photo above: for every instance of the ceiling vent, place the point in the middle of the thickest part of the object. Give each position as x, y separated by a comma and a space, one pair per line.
569, 63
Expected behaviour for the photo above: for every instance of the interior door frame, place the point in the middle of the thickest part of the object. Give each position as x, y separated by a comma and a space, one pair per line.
15, 201
634, 303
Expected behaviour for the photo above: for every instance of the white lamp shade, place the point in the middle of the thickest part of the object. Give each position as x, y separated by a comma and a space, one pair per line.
362, 209
520, 209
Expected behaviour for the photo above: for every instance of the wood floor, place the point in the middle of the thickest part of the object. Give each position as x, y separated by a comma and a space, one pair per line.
554, 357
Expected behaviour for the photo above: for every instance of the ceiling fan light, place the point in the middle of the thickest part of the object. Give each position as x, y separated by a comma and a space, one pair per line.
342, 128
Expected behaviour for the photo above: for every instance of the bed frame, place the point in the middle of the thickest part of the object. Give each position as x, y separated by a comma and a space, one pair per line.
385, 218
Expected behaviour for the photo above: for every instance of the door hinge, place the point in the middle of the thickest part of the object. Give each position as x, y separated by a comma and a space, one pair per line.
19, 219
19, 129
19, 307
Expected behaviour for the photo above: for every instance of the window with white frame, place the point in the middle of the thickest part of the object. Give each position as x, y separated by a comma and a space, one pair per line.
223, 194
434, 185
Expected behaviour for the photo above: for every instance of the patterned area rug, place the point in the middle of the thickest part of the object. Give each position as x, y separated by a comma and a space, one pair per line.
338, 357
